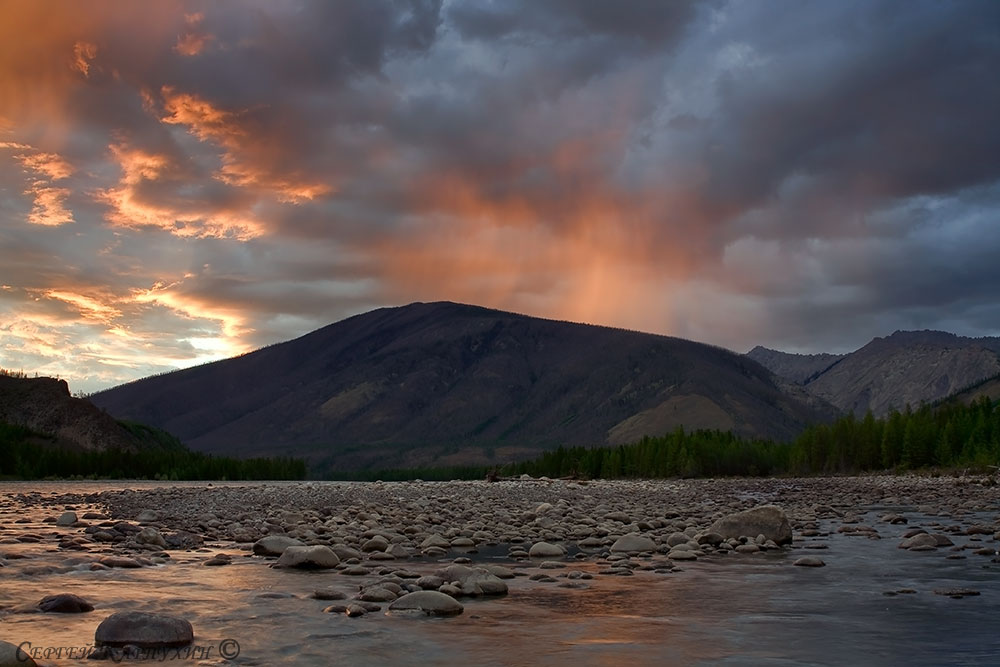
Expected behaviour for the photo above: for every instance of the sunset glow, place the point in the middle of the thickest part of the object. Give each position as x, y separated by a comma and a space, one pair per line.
187, 181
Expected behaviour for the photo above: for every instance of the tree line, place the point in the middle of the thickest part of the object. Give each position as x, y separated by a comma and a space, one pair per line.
28, 455
949, 435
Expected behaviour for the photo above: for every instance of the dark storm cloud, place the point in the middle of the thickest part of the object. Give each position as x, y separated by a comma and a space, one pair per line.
650, 21
190, 180
887, 100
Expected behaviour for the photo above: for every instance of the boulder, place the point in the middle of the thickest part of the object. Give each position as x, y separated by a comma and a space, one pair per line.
633, 544
64, 603
12, 655
431, 603
377, 543
66, 519
767, 520
809, 561
274, 545
473, 581
435, 540
713, 539
345, 552
152, 536
302, 557
143, 630
920, 540
546, 550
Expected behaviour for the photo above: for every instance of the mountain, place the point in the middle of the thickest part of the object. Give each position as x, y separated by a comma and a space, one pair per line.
45, 406
446, 384
908, 367
989, 388
799, 368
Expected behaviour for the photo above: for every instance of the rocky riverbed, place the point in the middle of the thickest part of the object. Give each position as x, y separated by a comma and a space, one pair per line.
258, 564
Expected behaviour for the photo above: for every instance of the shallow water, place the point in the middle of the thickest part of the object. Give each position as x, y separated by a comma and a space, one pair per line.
733, 610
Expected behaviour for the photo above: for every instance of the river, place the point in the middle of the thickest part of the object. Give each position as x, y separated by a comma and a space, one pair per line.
736, 610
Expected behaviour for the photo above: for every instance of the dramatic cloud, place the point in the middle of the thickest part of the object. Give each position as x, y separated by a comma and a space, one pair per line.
183, 181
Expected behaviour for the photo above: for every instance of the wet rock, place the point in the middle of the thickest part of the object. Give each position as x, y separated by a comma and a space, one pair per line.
473, 581
546, 550
66, 519
430, 603
767, 520
354, 610
345, 552
435, 540
430, 582
499, 571
274, 545
151, 536
148, 516
633, 544
143, 630
956, 593
377, 594
119, 561
64, 603
328, 594
809, 561
317, 557
920, 540
377, 543
713, 539
12, 656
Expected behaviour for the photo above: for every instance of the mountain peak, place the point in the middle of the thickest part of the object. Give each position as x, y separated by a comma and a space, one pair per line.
449, 383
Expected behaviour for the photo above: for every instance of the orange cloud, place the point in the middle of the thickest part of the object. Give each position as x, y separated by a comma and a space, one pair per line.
249, 156
129, 209
191, 44
83, 54
232, 321
47, 164
49, 202
88, 307
49, 209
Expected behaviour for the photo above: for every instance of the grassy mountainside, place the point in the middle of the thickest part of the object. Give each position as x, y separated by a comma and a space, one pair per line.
450, 384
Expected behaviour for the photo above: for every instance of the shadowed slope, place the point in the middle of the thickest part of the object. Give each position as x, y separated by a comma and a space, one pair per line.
445, 383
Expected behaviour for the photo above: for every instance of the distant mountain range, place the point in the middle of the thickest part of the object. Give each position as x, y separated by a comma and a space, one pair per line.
447, 384
908, 367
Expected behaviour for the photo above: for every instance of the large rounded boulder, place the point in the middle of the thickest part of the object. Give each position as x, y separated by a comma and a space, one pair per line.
274, 545
143, 630
767, 520
308, 558
430, 603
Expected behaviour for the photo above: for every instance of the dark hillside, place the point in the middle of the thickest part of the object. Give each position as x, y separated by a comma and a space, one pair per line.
450, 384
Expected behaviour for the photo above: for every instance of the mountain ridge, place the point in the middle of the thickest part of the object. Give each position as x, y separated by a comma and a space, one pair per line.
447, 383
890, 372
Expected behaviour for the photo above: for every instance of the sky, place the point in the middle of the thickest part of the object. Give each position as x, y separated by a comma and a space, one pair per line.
187, 181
